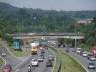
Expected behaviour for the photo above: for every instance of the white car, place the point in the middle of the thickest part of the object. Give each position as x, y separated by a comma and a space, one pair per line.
41, 48
92, 58
78, 50
3, 54
91, 65
34, 62
85, 54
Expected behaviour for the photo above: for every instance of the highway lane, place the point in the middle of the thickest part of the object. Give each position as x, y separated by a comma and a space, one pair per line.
23, 65
82, 60
42, 65
9, 58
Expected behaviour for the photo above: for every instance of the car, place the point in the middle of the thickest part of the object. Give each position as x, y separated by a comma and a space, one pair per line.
49, 64
40, 59
89, 55
78, 50
51, 57
85, 54
29, 68
91, 65
42, 51
34, 62
3, 54
42, 55
41, 48
81, 53
7, 68
67, 50
73, 50
92, 58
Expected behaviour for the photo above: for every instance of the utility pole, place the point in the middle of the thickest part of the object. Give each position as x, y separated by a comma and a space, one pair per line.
75, 31
22, 25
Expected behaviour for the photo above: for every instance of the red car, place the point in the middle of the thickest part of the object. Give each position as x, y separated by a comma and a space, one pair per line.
7, 68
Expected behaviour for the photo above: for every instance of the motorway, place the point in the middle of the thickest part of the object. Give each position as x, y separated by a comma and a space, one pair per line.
41, 68
80, 59
83, 60
21, 66
9, 59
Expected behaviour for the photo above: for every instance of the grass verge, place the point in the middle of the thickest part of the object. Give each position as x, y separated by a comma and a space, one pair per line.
56, 66
68, 64
19, 53
1, 61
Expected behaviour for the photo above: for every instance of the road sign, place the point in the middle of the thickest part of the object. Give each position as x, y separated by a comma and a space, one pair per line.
16, 45
94, 50
26, 43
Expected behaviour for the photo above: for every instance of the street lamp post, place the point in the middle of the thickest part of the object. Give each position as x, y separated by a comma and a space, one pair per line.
75, 32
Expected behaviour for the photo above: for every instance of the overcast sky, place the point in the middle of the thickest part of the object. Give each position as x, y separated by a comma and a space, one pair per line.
66, 5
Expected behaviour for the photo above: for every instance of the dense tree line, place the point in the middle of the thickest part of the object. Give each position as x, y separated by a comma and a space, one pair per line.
16, 20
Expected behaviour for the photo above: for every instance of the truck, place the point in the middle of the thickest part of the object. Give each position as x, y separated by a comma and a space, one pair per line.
34, 48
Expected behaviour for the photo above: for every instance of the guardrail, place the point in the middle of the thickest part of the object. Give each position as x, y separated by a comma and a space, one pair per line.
58, 67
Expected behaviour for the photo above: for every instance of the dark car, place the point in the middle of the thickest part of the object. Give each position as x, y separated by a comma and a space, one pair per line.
91, 65
73, 50
7, 68
67, 50
49, 63
89, 55
42, 55
42, 51
40, 59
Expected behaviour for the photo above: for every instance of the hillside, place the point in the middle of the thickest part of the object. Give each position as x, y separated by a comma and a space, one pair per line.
37, 20
17, 20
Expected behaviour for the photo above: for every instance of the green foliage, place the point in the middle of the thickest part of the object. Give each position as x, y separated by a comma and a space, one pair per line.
17, 20
6, 38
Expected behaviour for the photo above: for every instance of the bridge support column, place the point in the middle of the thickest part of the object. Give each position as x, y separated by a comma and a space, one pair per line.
75, 43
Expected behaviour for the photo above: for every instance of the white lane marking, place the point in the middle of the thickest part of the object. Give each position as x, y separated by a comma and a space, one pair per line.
77, 61
3, 60
54, 60
80, 64
22, 62
10, 51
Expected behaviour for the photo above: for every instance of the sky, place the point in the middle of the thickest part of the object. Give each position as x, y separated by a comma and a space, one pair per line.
66, 5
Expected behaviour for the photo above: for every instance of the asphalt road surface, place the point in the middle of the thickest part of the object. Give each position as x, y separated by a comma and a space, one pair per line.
21, 66
41, 68
9, 59
82, 60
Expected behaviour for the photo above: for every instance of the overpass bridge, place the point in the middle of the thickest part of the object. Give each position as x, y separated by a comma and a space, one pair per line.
47, 35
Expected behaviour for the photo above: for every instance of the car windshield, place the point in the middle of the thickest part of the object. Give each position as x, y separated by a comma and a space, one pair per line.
91, 64
6, 66
34, 59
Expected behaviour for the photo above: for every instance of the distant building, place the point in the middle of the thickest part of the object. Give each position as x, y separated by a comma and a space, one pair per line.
84, 21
